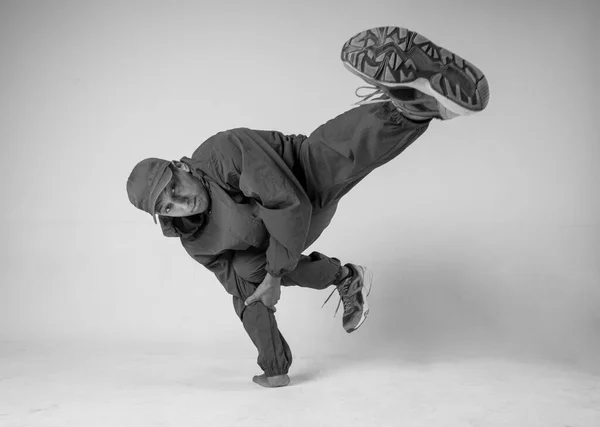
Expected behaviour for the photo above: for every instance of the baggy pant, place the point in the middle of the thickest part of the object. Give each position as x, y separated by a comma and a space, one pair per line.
331, 161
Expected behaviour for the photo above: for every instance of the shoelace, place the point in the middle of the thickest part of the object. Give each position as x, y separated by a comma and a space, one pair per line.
378, 95
340, 288
414, 106
371, 98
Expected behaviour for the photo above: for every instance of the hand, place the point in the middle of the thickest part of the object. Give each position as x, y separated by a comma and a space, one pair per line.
268, 292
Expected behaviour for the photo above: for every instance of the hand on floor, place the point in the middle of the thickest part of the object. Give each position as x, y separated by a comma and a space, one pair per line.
271, 382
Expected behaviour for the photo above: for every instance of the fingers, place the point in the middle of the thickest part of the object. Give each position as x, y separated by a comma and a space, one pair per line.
269, 296
258, 293
268, 302
252, 299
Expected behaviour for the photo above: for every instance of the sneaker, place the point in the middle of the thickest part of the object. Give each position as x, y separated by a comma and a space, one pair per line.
423, 80
353, 291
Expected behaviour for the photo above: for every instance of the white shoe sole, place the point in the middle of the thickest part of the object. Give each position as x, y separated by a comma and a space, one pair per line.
422, 85
396, 57
366, 276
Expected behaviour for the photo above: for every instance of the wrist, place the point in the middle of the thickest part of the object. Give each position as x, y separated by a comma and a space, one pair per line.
272, 280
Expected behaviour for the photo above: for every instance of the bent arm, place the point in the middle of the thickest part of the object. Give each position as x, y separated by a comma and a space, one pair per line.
244, 160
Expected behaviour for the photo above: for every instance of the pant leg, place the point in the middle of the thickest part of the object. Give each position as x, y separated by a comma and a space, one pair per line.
340, 153
246, 270
315, 271
274, 353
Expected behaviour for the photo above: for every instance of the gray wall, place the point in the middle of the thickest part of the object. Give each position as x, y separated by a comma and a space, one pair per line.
483, 236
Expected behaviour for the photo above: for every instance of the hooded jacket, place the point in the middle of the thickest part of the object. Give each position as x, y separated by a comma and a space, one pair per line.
257, 200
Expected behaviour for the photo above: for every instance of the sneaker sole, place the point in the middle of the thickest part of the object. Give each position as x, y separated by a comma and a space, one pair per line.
366, 276
396, 57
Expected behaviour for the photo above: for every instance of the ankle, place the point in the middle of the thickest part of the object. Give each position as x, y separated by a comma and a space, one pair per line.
344, 273
416, 119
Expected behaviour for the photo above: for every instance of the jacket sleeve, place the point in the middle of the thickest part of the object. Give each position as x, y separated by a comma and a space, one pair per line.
246, 161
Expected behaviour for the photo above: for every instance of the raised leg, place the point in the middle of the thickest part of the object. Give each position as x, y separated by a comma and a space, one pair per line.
341, 152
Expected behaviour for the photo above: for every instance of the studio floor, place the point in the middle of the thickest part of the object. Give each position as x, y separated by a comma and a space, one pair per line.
164, 385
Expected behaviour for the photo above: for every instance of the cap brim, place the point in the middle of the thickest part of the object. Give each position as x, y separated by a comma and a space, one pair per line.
158, 188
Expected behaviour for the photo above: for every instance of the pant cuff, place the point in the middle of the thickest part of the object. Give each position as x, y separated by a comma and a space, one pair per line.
390, 113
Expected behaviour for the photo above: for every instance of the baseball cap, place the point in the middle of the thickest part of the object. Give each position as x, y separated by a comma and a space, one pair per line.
146, 181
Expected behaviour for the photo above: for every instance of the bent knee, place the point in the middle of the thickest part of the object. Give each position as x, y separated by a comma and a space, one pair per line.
250, 267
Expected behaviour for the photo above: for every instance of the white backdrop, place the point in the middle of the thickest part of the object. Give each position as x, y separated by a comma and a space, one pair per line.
483, 236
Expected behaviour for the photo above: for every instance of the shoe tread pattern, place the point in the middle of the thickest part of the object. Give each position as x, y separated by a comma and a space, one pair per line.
398, 56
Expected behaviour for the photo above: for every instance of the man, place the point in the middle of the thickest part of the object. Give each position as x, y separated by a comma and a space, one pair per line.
248, 202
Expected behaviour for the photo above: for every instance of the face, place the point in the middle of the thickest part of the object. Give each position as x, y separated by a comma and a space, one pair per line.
184, 195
